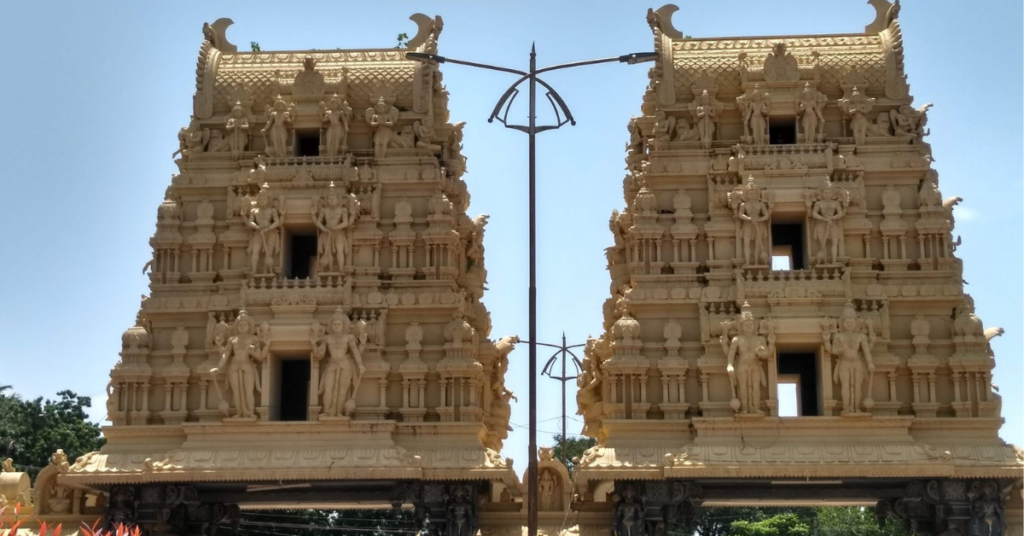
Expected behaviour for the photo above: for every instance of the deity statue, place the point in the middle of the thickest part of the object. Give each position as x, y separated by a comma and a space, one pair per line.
279, 125
340, 379
857, 107
382, 117
852, 340
460, 512
908, 122
635, 146
265, 221
546, 491
881, 128
336, 115
755, 115
334, 217
746, 349
812, 122
753, 213
404, 138
663, 127
237, 127
828, 211
424, 131
987, 516
192, 139
242, 349
705, 114
629, 513
588, 396
308, 82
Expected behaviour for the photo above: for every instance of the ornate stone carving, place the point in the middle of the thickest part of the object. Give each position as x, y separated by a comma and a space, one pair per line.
630, 510
909, 123
337, 116
850, 341
744, 352
239, 353
382, 118
263, 219
340, 378
308, 82
589, 400
278, 130
752, 209
780, 65
754, 107
856, 106
809, 108
705, 110
335, 216
237, 128
827, 208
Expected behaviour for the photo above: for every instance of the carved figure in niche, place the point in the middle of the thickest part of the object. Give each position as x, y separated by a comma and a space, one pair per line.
340, 379
851, 345
629, 513
336, 115
308, 81
635, 146
258, 174
908, 122
755, 115
240, 352
404, 139
857, 107
424, 131
453, 157
663, 127
812, 122
278, 127
705, 115
753, 214
460, 512
264, 220
986, 509
828, 211
475, 271
744, 353
382, 117
546, 491
334, 218
780, 65
881, 128
929, 195
685, 132
218, 144
237, 127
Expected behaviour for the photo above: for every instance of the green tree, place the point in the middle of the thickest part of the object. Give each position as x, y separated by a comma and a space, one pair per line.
855, 520
32, 430
574, 447
403, 40
779, 525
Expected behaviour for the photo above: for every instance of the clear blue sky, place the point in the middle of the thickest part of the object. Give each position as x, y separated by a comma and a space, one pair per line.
95, 93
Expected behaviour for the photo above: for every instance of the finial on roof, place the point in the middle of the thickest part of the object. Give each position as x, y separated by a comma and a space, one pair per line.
216, 34
661, 18
428, 27
881, 10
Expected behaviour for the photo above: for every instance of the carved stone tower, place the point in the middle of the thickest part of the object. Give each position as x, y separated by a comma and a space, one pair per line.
783, 233
315, 313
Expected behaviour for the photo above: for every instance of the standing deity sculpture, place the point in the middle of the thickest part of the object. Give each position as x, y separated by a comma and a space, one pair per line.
828, 210
382, 118
340, 378
630, 512
237, 127
264, 222
460, 512
705, 114
754, 109
744, 353
239, 352
856, 107
336, 115
851, 344
753, 213
588, 396
546, 491
334, 215
279, 125
812, 122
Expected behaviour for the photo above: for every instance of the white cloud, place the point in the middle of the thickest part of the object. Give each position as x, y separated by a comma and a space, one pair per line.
962, 213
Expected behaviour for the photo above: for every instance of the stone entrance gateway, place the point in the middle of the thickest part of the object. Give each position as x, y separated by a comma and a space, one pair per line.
315, 335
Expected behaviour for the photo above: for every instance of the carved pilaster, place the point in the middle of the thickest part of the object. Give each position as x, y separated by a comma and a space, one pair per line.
451, 508
948, 507
649, 508
169, 509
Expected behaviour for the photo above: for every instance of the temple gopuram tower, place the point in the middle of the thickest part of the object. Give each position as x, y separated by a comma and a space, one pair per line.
315, 335
783, 230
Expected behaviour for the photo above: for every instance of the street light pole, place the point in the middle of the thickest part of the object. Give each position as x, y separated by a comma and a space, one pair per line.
562, 116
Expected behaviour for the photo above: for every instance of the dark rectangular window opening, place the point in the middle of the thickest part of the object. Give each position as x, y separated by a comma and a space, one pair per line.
301, 256
307, 143
788, 242
294, 390
782, 131
802, 370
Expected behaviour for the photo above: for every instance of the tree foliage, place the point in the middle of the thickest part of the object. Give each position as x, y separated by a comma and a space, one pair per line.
777, 525
574, 447
32, 430
378, 522
754, 521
